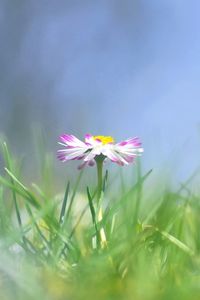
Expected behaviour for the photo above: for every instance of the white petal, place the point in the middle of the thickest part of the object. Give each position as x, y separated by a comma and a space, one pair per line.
113, 155
74, 154
90, 156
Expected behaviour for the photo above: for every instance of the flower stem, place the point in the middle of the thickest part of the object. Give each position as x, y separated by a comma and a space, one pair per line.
99, 162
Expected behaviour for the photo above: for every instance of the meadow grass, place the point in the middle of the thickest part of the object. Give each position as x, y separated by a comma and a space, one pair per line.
51, 247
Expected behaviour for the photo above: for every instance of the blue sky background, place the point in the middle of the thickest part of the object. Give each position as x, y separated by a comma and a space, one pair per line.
120, 68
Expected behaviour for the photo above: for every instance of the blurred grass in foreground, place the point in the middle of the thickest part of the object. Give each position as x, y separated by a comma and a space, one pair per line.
47, 241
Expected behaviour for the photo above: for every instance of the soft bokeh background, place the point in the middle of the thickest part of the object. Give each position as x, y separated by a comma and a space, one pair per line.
120, 68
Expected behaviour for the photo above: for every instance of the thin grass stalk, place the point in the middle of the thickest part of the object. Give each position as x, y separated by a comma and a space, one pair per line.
9, 167
64, 204
138, 194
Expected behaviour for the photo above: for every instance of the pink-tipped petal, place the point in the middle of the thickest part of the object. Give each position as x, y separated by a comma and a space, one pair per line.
89, 163
88, 138
114, 156
129, 149
131, 142
61, 156
90, 141
91, 155
83, 165
71, 141
65, 156
74, 148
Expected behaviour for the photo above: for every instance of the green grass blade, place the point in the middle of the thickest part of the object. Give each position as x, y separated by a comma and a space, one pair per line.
177, 242
74, 194
93, 214
116, 206
9, 168
26, 193
64, 204
105, 179
138, 191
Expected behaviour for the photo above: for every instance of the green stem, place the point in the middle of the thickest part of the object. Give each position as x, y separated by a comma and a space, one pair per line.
101, 233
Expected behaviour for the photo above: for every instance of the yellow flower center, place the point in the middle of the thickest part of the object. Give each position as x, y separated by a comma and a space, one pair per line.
104, 139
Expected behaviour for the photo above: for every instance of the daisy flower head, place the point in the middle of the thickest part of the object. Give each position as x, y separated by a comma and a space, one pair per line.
99, 147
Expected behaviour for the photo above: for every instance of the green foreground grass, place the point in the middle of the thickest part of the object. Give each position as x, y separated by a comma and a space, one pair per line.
49, 249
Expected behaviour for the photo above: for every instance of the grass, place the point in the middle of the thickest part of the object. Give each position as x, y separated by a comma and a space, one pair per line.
50, 243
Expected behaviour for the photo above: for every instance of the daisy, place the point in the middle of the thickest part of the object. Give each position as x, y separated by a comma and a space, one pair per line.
98, 147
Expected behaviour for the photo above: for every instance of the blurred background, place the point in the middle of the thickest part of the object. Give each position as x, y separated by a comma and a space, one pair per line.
120, 68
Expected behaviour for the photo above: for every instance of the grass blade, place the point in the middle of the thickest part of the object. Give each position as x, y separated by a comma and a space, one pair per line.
74, 194
62, 213
93, 214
